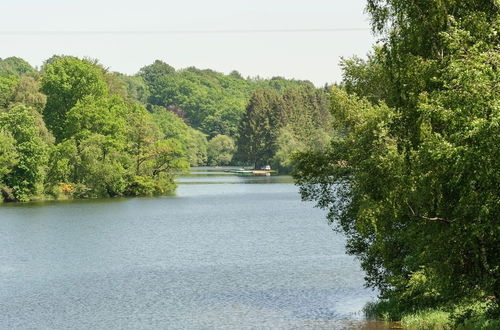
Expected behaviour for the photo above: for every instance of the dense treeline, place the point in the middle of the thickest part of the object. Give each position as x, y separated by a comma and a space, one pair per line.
63, 133
73, 129
207, 100
411, 176
277, 125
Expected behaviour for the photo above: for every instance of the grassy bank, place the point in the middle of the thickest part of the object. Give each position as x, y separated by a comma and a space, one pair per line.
467, 316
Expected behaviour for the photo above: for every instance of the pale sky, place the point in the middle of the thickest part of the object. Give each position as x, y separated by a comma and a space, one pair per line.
302, 55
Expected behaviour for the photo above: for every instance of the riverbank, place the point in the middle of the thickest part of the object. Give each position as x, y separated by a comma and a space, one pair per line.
470, 316
138, 187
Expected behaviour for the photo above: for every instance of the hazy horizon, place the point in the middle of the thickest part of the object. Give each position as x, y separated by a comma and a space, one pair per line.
292, 39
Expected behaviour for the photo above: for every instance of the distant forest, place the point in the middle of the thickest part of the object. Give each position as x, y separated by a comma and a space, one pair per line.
74, 129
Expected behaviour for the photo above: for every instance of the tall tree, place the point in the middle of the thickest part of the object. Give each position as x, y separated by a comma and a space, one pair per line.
9, 156
220, 150
25, 172
153, 72
155, 159
410, 174
65, 81
103, 115
259, 128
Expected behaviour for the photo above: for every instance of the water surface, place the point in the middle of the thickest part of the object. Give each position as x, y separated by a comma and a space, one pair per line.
227, 252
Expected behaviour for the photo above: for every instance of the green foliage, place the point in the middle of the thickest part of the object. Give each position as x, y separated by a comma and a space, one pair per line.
65, 81
154, 156
367, 78
6, 89
220, 150
212, 102
193, 141
111, 149
154, 72
465, 316
62, 165
99, 140
411, 176
259, 128
427, 319
141, 186
197, 148
277, 125
15, 66
382, 310
101, 167
27, 92
105, 115
23, 174
106, 143
290, 142
130, 88
8, 154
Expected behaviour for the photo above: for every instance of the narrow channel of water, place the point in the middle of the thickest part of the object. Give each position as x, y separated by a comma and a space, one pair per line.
226, 252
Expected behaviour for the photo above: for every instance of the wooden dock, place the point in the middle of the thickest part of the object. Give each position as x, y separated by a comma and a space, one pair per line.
253, 172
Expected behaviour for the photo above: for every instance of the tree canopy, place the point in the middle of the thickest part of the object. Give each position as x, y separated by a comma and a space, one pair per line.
276, 125
73, 129
67, 80
411, 174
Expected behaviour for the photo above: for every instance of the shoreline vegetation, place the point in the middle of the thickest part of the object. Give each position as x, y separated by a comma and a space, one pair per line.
467, 316
73, 129
411, 174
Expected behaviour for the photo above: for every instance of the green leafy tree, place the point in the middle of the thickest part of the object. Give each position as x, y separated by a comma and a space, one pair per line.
130, 88
259, 127
220, 149
15, 66
410, 176
7, 85
27, 92
155, 159
8, 154
290, 142
192, 141
26, 170
104, 115
152, 73
64, 159
277, 125
197, 148
65, 81
142, 134
101, 167
212, 102
368, 78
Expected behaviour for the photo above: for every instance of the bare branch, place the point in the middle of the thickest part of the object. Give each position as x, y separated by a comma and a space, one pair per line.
426, 218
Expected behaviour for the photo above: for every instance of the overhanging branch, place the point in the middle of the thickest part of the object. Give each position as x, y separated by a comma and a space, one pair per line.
423, 217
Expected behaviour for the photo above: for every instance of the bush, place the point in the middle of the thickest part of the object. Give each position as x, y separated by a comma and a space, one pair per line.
427, 319
465, 316
81, 191
141, 186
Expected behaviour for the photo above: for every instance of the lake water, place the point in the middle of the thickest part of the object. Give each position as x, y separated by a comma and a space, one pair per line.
226, 252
